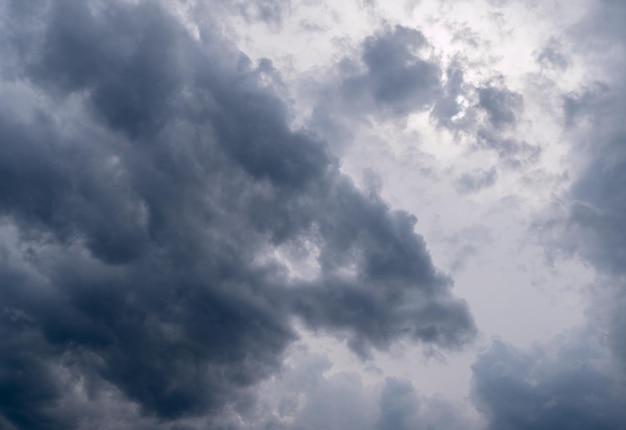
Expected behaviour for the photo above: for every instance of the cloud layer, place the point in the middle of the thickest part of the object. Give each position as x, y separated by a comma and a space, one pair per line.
169, 237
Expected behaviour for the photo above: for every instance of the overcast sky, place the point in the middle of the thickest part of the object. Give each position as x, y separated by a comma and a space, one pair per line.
301, 214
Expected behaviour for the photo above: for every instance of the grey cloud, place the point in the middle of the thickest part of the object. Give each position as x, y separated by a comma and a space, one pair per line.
513, 152
402, 408
460, 108
148, 174
577, 382
447, 108
389, 75
596, 220
306, 396
617, 328
547, 390
395, 76
270, 11
601, 28
500, 104
552, 55
591, 103
386, 270
597, 210
471, 182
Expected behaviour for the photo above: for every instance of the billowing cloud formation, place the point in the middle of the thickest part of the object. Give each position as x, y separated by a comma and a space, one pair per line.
571, 386
396, 77
156, 200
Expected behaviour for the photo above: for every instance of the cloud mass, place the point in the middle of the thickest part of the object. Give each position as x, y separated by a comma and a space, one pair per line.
148, 179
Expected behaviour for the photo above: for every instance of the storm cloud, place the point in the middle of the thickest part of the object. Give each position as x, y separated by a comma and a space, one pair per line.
186, 242
560, 387
150, 191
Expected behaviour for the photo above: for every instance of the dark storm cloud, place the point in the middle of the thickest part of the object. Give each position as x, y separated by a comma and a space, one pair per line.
353, 240
547, 390
395, 76
149, 175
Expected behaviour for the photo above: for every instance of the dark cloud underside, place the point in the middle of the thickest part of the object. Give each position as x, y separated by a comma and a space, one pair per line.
547, 390
148, 176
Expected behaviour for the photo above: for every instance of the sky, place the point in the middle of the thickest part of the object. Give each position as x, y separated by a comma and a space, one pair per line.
301, 214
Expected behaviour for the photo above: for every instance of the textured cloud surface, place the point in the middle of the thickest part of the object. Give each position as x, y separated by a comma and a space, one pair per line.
185, 241
566, 388
152, 195
579, 381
